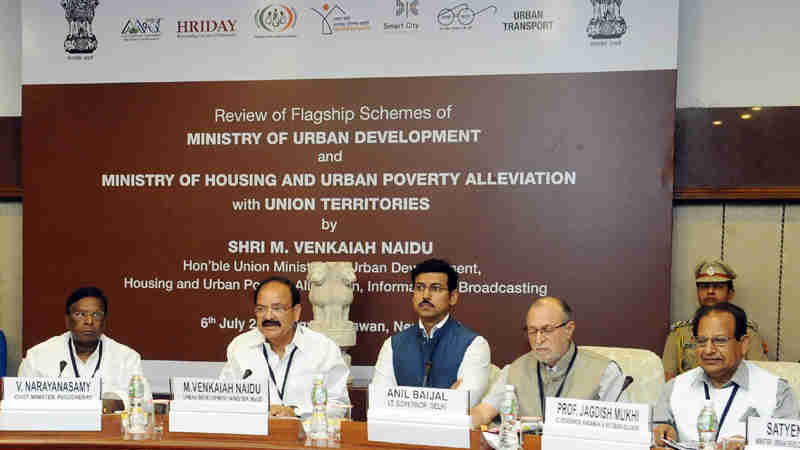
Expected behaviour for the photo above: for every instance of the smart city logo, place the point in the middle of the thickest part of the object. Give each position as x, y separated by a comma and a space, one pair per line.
275, 19
461, 16
336, 20
407, 10
80, 37
141, 29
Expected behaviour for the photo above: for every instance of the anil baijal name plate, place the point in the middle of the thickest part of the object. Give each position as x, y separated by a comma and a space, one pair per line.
51, 404
765, 433
203, 405
586, 424
418, 416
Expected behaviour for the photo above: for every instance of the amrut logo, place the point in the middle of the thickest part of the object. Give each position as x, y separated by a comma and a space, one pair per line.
80, 16
276, 18
607, 21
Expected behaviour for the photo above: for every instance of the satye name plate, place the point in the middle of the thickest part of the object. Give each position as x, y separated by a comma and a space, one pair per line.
765, 433
418, 416
203, 405
51, 404
599, 421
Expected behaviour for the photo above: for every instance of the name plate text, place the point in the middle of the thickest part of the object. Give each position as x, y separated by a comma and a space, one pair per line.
763, 431
53, 389
588, 419
202, 389
418, 399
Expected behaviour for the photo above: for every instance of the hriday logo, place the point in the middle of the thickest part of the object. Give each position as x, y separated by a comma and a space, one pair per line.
335, 19
80, 15
276, 18
528, 20
207, 27
607, 21
148, 28
405, 7
461, 16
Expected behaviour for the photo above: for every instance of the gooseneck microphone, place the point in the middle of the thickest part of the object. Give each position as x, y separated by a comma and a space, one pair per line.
628, 381
247, 373
61, 366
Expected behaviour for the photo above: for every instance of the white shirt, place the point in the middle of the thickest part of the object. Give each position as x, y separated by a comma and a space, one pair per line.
473, 370
315, 353
119, 362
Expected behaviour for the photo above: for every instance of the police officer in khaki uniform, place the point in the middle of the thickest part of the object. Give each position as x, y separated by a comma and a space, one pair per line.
714, 281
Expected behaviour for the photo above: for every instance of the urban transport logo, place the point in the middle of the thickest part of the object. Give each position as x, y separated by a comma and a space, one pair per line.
276, 18
607, 21
80, 15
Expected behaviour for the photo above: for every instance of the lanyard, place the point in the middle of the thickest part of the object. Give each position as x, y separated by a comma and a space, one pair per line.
558, 392
99, 358
727, 406
285, 374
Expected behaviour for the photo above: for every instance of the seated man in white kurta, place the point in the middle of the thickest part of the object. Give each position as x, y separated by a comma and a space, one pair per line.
738, 389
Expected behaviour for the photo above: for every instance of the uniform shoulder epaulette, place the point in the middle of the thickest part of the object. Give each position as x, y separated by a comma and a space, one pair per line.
753, 325
679, 324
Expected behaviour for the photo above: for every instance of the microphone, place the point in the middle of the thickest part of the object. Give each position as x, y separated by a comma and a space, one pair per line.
61, 366
247, 373
428, 365
628, 381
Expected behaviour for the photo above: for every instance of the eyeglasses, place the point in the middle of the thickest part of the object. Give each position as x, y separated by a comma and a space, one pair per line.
419, 288
277, 308
546, 330
82, 315
718, 341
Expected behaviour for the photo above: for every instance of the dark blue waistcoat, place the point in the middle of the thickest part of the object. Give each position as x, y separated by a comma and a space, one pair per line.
411, 349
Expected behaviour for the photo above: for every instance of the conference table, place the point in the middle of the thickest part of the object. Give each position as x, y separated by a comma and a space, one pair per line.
283, 434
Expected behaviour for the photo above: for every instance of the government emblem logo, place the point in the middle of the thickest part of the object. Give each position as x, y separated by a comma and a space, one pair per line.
80, 15
607, 21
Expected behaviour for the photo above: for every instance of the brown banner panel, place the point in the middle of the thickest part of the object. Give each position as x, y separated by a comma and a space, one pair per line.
556, 184
737, 153
10, 157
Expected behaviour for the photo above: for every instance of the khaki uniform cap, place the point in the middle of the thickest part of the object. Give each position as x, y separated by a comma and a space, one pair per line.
713, 272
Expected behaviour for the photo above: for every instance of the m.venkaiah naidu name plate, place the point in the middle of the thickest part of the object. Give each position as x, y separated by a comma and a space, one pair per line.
51, 404
418, 416
765, 433
586, 424
202, 405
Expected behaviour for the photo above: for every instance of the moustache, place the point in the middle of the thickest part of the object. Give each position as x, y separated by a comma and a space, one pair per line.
423, 302
270, 323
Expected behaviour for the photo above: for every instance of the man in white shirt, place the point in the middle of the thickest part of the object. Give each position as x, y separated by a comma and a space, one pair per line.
84, 351
439, 352
286, 355
737, 389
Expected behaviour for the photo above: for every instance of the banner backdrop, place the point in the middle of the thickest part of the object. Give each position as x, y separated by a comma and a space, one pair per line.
174, 155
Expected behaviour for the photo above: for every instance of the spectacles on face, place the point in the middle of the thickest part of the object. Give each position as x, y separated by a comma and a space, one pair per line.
276, 308
434, 288
717, 341
546, 330
82, 315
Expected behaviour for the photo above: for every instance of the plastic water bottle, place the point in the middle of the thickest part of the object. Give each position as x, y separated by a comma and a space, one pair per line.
137, 416
319, 411
707, 425
509, 413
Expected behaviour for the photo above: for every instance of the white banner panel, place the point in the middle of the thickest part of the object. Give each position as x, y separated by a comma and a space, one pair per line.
207, 40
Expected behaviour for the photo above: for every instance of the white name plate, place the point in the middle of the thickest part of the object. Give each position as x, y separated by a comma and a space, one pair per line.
599, 421
418, 416
773, 433
51, 404
204, 405
418, 399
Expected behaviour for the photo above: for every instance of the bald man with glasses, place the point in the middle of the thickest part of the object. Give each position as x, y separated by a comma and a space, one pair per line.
553, 368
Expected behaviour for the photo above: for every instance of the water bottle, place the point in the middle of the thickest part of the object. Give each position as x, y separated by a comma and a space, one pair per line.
509, 439
319, 411
137, 416
707, 427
